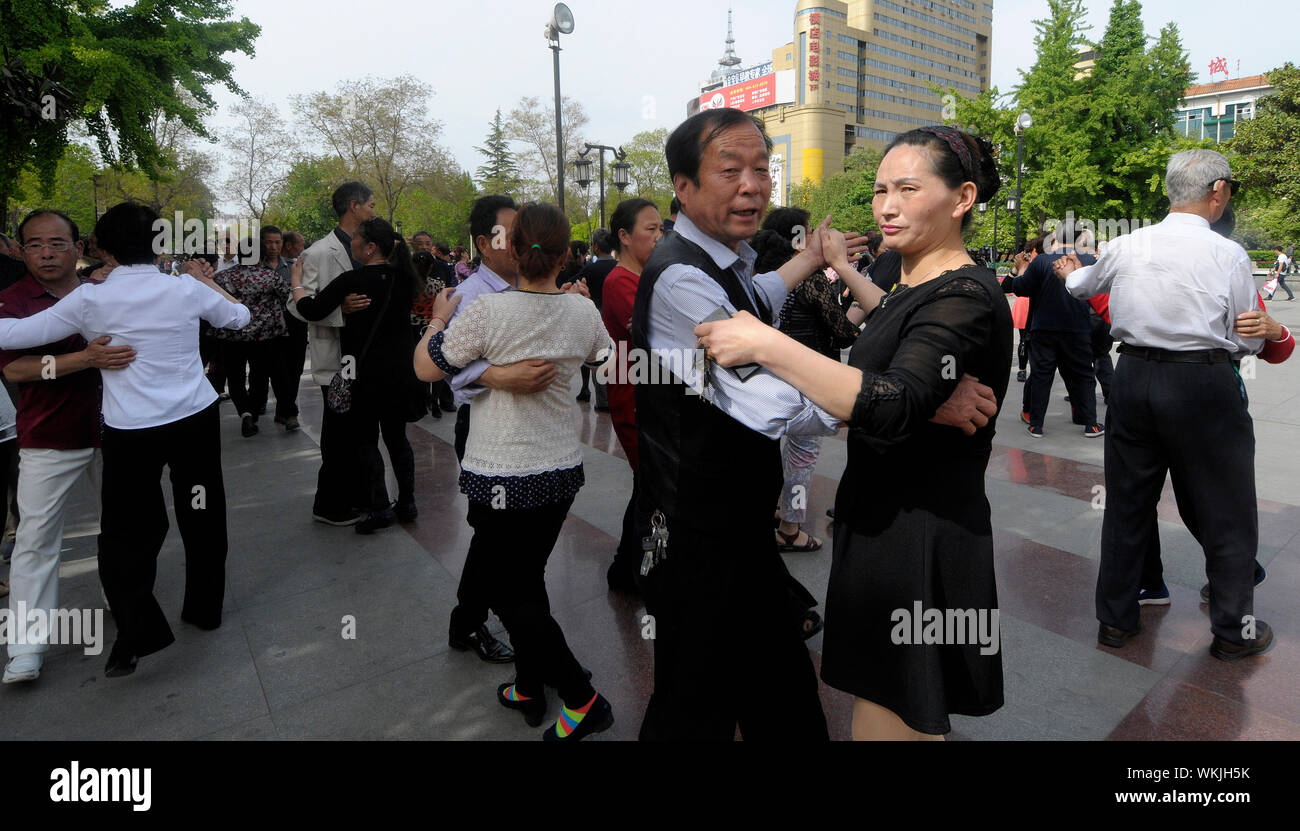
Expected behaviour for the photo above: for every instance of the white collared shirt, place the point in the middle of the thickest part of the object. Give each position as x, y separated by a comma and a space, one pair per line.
155, 314
1175, 285
684, 296
464, 384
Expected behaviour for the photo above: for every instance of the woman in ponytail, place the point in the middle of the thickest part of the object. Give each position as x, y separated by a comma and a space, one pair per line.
913, 536
523, 460
378, 340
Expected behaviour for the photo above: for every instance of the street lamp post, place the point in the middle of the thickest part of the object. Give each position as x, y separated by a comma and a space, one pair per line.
582, 168
561, 23
1023, 122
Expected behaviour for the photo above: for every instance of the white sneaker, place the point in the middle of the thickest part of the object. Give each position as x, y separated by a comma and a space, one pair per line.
23, 668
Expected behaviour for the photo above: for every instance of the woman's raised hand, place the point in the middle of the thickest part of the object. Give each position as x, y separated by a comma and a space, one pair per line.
740, 340
444, 305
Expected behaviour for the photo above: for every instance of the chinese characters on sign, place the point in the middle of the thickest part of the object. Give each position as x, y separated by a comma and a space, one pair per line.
1218, 65
814, 48
748, 74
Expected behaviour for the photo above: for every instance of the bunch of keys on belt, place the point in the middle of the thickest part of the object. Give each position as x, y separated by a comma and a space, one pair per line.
655, 546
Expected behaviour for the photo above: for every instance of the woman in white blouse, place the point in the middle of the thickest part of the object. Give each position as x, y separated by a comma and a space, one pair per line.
523, 460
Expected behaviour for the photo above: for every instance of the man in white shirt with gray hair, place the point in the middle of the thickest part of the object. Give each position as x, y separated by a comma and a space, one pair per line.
1178, 403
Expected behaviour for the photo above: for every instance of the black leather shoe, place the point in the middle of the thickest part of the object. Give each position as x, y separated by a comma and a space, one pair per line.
406, 513
375, 521
1115, 637
534, 709
120, 662
599, 717
488, 647
1226, 650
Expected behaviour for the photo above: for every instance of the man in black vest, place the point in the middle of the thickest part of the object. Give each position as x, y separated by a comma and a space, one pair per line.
727, 652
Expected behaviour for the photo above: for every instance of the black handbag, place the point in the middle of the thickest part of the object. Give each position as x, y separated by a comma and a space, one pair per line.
338, 397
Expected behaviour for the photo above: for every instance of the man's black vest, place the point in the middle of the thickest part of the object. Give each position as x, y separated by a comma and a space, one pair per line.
697, 464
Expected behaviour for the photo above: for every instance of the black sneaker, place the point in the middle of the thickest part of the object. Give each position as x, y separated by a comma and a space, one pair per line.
375, 521
1021, 376
1094, 431
248, 427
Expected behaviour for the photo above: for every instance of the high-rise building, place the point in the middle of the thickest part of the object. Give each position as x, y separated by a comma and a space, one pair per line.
861, 72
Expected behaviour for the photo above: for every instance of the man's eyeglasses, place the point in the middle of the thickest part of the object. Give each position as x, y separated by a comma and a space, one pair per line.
1232, 183
58, 246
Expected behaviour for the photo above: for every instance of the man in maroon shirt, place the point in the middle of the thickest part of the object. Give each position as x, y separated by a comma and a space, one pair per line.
58, 424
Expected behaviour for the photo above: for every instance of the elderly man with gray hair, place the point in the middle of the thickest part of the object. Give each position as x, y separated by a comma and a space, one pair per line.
1178, 403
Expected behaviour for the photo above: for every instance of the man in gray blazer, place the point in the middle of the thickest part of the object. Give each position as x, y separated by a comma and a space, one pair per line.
327, 258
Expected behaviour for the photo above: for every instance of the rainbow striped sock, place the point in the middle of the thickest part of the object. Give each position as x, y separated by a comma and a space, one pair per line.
570, 719
511, 694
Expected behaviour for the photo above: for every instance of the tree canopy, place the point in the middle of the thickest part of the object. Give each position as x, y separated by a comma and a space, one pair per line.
111, 71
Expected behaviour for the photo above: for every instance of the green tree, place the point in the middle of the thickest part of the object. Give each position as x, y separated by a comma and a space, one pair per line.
648, 172
845, 196
440, 205
302, 203
500, 173
1100, 141
532, 125
1266, 159
259, 149
381, 130
110, 70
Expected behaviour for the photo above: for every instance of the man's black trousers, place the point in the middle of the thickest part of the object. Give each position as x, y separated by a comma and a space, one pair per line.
1071, 354
471, 610
134, 525
1188, 420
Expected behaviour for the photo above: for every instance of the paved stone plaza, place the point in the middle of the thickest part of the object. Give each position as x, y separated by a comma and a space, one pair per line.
279, 668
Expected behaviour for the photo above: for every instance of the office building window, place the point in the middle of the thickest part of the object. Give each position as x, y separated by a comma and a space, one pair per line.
952, 27
884, 18
924, 47
876, 47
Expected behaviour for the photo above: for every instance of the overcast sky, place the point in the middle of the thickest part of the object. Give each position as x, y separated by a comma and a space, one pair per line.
634, 64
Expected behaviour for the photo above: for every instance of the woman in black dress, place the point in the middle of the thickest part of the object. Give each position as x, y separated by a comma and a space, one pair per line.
385, 393
913, 536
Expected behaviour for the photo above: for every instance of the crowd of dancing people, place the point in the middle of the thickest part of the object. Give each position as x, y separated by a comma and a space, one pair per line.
117, 369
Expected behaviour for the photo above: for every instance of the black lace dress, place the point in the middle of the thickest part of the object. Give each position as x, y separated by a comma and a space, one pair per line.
913, 536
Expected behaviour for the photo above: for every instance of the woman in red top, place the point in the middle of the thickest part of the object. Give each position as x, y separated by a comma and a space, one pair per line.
636, 227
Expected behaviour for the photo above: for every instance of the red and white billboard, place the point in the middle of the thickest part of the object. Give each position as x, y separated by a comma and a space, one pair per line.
755, 94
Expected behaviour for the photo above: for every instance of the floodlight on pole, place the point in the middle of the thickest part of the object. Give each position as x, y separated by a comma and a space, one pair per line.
561, 23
